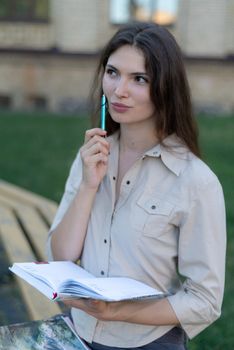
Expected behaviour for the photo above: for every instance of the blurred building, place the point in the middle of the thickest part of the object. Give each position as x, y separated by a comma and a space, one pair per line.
49, 48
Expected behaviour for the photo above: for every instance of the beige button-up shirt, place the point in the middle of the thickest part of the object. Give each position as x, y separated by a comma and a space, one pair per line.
167, 230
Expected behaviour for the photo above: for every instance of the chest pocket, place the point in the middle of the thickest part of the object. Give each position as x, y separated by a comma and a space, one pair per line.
157, 213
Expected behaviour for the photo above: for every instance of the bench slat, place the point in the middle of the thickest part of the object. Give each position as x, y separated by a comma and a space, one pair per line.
36, 229
46, 206
16, 246
23, 194
25, 218
18, 250
34, 225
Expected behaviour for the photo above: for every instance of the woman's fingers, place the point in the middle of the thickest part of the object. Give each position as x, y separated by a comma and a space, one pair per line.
89, 134
94, 154
95, 148
96, 308
96, 139
95, 145
95, 159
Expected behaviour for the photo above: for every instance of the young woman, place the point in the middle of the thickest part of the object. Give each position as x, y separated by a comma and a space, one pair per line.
139, 202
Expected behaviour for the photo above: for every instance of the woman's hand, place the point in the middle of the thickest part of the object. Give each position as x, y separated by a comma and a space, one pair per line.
68, 238
145, 311
96, 308
94, 155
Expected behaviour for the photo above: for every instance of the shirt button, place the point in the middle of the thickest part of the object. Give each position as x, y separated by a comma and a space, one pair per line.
114, 178
102, 273
105, 241
153, 207
128, 182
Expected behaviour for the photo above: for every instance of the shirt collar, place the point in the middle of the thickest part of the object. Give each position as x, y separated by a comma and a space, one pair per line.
174, 154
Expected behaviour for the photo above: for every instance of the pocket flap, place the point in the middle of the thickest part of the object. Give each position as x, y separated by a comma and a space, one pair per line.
155, 206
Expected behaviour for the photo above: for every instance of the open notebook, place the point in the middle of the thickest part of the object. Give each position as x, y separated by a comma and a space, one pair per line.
66, 280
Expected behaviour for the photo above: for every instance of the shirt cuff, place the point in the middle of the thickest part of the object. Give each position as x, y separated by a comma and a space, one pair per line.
193, 313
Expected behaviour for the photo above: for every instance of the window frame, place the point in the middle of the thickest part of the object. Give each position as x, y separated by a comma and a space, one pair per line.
131, 17
30, 16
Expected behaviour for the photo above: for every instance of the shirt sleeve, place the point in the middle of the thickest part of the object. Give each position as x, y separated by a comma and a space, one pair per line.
201, 260
71, 187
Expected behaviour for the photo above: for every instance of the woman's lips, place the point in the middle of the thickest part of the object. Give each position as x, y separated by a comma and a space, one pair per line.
120, 107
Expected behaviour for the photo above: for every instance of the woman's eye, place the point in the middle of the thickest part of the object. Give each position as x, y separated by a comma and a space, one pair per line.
141, 79
111, 72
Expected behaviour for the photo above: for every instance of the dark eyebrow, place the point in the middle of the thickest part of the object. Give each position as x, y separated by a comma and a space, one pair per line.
110, 66
140, 73
133, 73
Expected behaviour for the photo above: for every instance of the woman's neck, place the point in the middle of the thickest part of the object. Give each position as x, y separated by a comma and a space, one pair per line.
135, 140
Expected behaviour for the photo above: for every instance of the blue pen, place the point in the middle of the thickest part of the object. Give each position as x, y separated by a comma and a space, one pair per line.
103, 112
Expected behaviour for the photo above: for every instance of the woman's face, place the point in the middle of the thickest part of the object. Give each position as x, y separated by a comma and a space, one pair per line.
127, 87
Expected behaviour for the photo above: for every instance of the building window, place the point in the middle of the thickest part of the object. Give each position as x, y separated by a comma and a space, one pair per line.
5, 102
159, 11
36, 102
24, 10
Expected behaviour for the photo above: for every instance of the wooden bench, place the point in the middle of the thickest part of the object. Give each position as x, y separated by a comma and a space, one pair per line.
25, 218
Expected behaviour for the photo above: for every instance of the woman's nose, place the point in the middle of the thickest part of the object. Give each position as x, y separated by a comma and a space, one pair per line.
121, 89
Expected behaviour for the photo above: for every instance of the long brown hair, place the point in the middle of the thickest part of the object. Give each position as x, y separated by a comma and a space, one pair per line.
169, 87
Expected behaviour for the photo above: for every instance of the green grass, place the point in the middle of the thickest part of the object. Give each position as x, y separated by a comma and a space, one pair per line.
217, 141
37, 151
